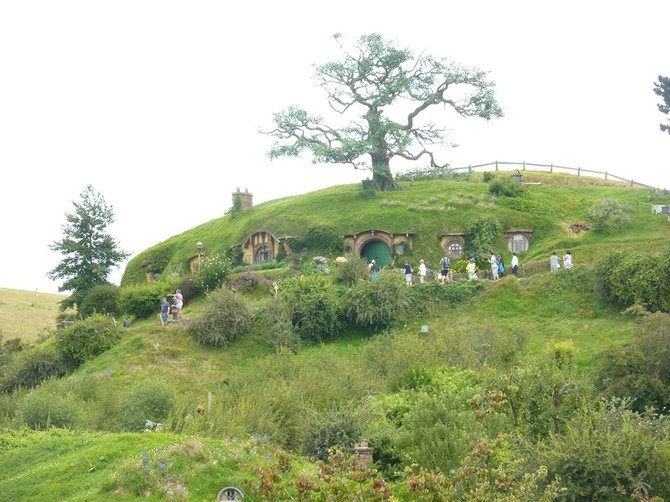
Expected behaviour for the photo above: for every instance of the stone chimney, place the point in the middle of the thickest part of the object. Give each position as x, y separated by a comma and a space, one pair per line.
245, 198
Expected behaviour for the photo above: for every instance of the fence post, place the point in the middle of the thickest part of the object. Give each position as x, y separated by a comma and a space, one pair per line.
496, 165
524, 165
605, 174
470, 168
579, 170
551, 168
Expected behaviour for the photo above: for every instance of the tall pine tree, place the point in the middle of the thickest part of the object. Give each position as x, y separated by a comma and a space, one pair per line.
662, 89
88, 251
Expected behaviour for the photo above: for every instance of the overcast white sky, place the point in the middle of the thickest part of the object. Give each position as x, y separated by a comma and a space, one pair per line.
157, 104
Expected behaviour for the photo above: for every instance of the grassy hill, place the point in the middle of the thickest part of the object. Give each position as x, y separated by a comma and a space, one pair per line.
485, 366
27, 315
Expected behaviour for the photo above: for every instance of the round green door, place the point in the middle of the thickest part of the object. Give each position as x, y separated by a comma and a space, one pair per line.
378, 251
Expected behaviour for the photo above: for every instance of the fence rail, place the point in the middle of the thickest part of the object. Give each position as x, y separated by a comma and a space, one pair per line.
551, 167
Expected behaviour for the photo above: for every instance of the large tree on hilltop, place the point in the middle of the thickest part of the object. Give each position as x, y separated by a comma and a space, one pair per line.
88, 251
662, 89
372, 80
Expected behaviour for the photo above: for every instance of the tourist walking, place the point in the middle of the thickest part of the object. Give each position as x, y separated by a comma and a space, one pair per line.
553, 262
422, 271
567, 259
471, 269
408, 273
493, 260
515, 265
444, 269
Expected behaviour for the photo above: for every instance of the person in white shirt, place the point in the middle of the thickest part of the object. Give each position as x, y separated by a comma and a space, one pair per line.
515, 264
422, 271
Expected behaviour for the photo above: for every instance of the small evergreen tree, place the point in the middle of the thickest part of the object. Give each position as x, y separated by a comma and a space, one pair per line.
662, 89
88, 250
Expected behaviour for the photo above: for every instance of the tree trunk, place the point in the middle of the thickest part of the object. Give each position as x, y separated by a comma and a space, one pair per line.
381, 175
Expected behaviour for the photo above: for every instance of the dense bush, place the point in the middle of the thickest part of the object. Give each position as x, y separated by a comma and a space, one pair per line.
224, 318
150, 400
625, 278
481, 236
189, 288
145, 300
608, 215
433, 297
101, 299
506, 187
314, 304
352, 271
640, 372
327, 430
610, 453
376, 304
88, 338
245, 281
273, 321
41, 410
213, 272
30, 367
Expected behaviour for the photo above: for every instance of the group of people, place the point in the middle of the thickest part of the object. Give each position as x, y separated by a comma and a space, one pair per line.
554, 263
176, 307
496, 262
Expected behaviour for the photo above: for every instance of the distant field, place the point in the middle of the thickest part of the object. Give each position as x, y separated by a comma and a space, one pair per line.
27, 314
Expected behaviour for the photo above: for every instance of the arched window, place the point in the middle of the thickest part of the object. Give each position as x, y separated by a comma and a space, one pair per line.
454, 250
263, 253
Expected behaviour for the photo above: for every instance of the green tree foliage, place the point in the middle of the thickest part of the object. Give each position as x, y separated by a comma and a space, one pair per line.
322, 238
640, 371
145, 300
42, 410
609, 452
506, 187
662, 89
30, 367
623, 279
89, 252
88, 338
150, 400
315, 308
213, 272
481, 236
225, 318
376, 304
101, 299
371, 81
607, 215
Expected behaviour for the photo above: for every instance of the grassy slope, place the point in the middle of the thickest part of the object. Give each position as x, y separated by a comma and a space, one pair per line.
26, 314
532, 308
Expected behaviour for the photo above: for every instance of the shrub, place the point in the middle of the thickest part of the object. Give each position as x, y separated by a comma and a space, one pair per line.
609, 452
145, 300
506, 187
246, 281
639, 372
274, 322
213, 272
376, 304
30, 367
88, 338
190, 288
314, 304
352, 271
150, 400
224, 318
101, 299
328, 430
481, 236
41, 410
433, 297
607, 215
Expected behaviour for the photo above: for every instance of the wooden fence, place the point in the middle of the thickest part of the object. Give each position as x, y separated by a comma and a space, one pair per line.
551, 167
